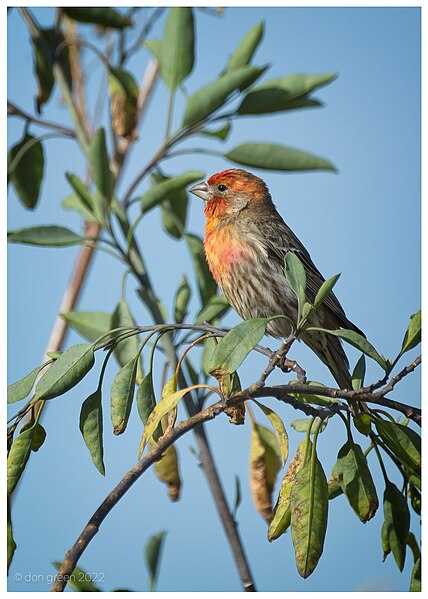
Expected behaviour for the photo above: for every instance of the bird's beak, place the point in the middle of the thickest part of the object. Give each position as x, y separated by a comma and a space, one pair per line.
200, 190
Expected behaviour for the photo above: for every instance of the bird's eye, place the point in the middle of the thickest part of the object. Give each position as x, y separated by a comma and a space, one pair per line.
222, 187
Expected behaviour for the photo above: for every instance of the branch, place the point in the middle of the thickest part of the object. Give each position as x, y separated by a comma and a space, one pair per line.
91, 529
13, 110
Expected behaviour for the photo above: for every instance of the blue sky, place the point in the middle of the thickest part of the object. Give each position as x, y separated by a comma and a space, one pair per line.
363, 222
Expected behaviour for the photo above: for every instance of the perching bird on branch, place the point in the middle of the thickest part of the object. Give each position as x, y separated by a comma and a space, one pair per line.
246, 242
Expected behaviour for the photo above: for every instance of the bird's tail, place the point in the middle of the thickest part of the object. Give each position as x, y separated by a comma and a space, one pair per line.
330, 351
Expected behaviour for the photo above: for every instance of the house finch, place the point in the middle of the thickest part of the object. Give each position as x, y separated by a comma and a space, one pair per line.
245, 243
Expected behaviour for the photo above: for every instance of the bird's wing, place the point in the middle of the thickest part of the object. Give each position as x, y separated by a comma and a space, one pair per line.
280, 240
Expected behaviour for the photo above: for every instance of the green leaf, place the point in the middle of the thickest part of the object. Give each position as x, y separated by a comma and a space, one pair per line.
397, 522
222, 133
334, 484
283, 94
279, 428
206, 284
281, 515
167, 188
11, 545
296, 278
212, 96
234, 347
358, 341
124, 95
415, 580
152, 554
49, 236
174, 214
97, 15
83, 201
309, 509
415, 499
247, 47
80, 580
91, 325
155, 47
45, 46
91, 427
412, 338
177, 52
238, 497
275, 157
39, 437
356, 481
22, 388
68, 370
166, 404
181, 302
18, 457
100, 166
126, 349
25, 171
73, 202
324, 290
122, 395
265, 462
215, 308
362, 423
302, 425
359, 373
404, 442
318, 400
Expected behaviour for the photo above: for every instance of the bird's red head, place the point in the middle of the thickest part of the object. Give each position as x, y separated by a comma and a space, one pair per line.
230, 191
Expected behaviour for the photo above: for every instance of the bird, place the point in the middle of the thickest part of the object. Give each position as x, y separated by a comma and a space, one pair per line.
246, 241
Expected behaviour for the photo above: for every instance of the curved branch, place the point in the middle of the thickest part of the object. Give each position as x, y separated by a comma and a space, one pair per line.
13, 110
72, 556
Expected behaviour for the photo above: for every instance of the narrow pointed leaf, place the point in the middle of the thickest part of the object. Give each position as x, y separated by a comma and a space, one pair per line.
221, 133
247, 47
18, 457
275, 157
265, 462
152, 554
359, 373
324, 290
22, 388
296, 277
234, 347
318, 400
27, 170
91, 427
165, 405
301, 425
103, 16
100, 167
238, 497
412, 338
49, 236
167, 188
403, 441
215, 308
206, 284
356, 481
68, 370
39, 437
281, 515
80, 580
125, 350
397, 522
177, 51
358, 341
213, 95
281, 94
91, 325
279, 428
122, 395
182, 298
309, 509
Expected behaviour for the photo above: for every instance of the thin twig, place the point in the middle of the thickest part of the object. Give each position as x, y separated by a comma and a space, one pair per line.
13, 110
